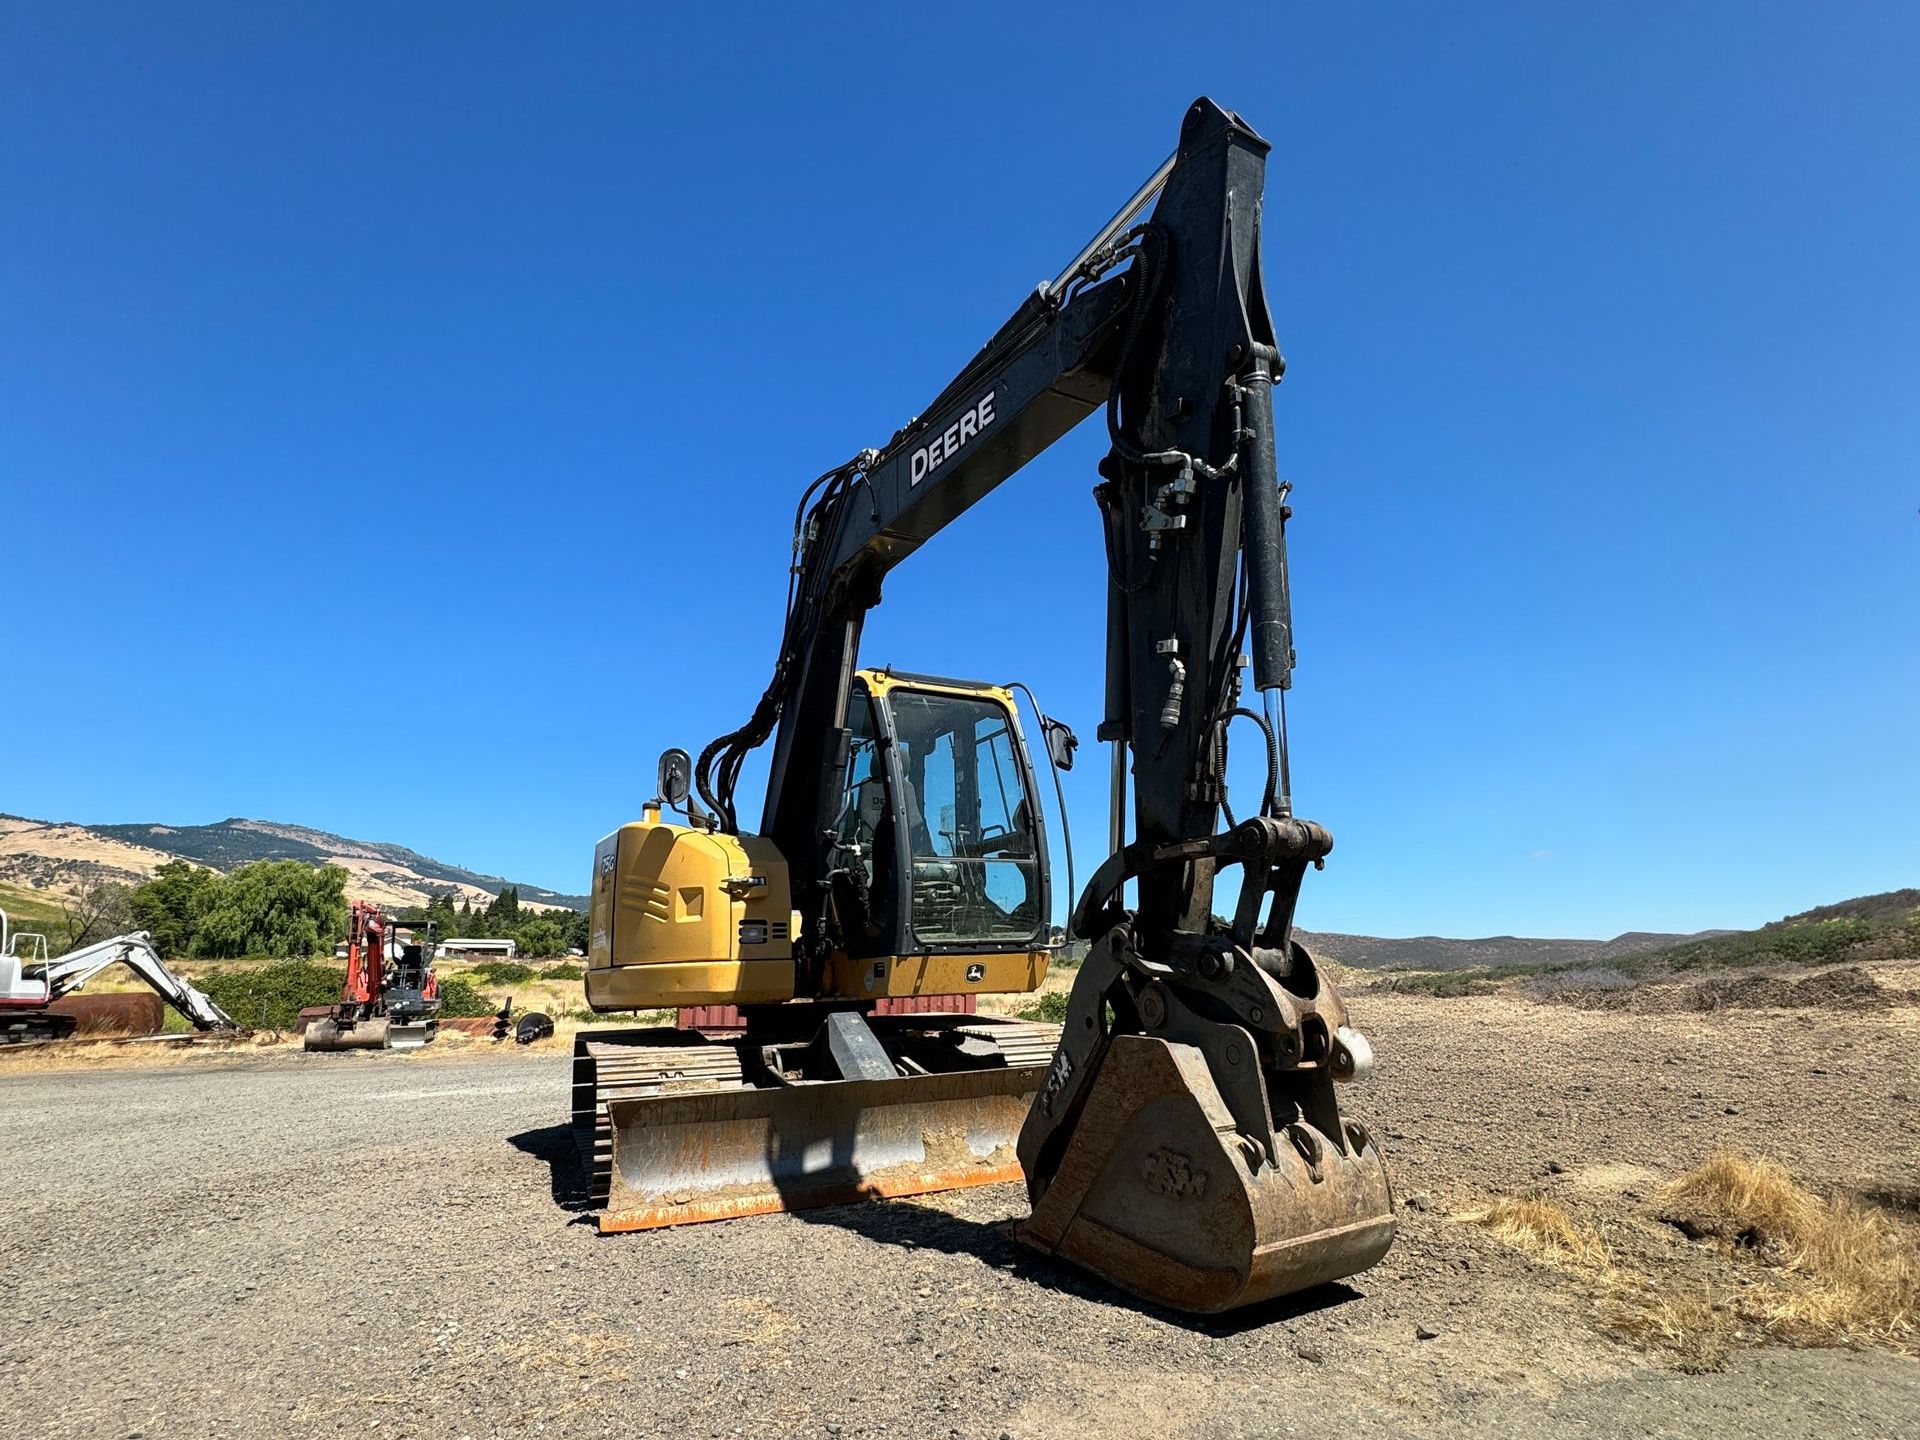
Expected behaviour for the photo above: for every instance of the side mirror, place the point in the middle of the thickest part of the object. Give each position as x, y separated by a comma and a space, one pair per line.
1061, 741
676, 778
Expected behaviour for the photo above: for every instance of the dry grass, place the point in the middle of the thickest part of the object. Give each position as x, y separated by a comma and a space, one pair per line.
1798, 1268
1686, 1326
1693, 1329
1544, 1231
1737, 1198
109, 1055
450, 1044
1847, 1273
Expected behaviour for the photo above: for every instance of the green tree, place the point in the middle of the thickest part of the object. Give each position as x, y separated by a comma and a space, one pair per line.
168, 906
503, 915
273, 907
474, 923
441, 912
540, 936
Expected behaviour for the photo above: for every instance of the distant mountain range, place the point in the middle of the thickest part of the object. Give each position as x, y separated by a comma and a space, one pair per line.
61, 857
1434, 952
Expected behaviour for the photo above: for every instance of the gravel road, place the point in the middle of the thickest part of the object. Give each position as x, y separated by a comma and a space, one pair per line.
381, 1245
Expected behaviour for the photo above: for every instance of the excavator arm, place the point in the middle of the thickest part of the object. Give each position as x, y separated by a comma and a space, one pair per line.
1177, 347
69, 972
1186, 1141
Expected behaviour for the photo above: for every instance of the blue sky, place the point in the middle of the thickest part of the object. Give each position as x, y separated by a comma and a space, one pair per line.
402, 407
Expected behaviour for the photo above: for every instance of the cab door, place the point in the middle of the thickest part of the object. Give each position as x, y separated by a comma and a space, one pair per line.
967, 821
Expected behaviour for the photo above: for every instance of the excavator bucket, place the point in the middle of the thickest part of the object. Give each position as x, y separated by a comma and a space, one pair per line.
1156, 1191
675, 1135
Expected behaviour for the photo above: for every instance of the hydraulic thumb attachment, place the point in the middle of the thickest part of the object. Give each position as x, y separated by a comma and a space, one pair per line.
1186, 1142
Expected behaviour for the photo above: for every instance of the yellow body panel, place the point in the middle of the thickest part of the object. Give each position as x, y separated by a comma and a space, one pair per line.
879, 682
682, 916
893, 976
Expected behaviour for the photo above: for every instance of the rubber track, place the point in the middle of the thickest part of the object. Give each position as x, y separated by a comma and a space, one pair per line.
626, 1064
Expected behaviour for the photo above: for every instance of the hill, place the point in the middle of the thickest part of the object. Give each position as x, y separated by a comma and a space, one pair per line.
60, 858
1888, 922
1492, 952
1711, 970
1868, 927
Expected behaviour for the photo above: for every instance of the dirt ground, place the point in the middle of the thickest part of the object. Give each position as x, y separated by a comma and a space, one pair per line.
277, 1244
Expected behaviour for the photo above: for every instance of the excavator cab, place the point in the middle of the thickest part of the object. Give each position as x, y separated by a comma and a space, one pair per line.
940, 873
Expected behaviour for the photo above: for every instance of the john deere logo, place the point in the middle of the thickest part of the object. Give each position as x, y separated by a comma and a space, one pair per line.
975, 974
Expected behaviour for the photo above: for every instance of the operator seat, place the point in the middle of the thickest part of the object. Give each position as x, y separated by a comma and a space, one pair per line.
936, 878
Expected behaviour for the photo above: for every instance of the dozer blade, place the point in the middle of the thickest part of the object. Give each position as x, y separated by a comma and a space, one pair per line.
1156, 1192
411, 1034
679, 1159
345, 1035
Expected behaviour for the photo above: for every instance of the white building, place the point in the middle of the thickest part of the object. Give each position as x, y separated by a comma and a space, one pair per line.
473, 948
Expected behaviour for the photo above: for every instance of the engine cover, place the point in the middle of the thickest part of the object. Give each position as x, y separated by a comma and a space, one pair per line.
685, 916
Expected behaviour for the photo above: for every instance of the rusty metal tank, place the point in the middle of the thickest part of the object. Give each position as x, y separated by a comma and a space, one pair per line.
105, 1017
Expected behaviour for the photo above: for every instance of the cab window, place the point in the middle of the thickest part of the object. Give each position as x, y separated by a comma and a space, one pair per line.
968, 818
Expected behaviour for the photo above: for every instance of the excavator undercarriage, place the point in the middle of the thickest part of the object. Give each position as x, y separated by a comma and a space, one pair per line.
1180, 1134
677, 1127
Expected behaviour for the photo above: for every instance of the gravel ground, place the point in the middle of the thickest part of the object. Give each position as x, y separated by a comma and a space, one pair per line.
381, 1244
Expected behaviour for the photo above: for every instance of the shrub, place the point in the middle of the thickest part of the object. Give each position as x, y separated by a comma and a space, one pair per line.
1791, 942
460, 998
1450, 984
1051, 1007
562, 972
503, 972
272, 996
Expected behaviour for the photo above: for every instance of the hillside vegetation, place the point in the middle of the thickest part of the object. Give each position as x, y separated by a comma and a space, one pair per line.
1867, 928
1435, 952
1871, 927
29, 910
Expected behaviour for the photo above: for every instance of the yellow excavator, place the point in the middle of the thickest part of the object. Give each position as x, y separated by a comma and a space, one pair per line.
1180, 1133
